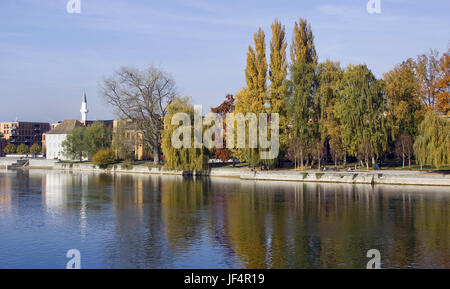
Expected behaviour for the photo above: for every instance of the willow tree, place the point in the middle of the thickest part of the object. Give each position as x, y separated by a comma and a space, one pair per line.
329, 74
252, 98
361, 107
432, 144
303, 81
277, 76
188, 158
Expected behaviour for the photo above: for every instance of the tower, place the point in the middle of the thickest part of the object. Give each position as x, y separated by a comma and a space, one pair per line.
84, 109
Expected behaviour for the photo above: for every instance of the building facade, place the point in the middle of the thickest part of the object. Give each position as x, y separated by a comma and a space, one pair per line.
55, 137
20, 132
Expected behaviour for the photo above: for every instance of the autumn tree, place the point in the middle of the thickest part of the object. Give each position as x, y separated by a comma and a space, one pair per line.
443, 83
141, 96
252, 98
427, 68
227, 106
278, 90
404, 107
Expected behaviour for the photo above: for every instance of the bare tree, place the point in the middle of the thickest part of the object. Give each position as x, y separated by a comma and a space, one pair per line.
404, 148
141, 96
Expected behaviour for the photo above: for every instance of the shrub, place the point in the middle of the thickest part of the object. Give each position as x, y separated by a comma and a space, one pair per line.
10, 149
22, 149
104, 157
35, 149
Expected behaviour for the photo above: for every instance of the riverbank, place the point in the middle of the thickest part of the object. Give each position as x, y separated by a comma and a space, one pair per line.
392, 177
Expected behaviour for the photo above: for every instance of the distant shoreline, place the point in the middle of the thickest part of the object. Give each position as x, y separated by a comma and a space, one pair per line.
389, 177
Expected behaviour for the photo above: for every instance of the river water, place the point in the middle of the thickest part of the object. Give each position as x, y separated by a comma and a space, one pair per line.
143, 221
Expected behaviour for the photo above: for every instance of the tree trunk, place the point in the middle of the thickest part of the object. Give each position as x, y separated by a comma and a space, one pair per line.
409, 162
156, 155
373, 162
403, 156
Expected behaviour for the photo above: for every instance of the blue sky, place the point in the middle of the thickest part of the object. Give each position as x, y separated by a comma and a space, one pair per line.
48, 56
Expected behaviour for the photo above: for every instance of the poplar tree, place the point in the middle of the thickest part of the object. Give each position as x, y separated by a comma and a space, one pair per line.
253, 97
303, 81
277, 76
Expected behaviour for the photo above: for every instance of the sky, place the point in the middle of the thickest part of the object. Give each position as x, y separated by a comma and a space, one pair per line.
48, 56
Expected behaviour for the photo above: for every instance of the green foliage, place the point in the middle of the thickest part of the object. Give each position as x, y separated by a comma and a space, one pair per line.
188, 159
360, 109
96, 137
104, 157
22, 149
10, 149
304, 85
432, 145
35, 149
73, 146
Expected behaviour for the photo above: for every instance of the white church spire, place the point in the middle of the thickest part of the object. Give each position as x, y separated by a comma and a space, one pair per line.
84, 109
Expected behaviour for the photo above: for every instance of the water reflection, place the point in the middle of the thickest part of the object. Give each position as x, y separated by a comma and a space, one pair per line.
141, 221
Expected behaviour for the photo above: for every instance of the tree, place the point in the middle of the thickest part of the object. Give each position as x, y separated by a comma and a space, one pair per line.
22, 149
227, 106
361, 107
96, 136
404, 148
142, 96
427, 67
404, 107
318, 151
74, 145
252, 98
184, 158
10, 149
278, 90
35, 149
104, 157
303, 81
432, 144
329, 74
443, 83
296, 151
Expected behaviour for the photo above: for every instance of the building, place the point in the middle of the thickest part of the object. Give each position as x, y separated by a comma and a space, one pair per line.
125, 131
20, 132
55, 137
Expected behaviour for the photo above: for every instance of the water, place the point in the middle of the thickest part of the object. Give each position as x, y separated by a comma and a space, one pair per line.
142, 221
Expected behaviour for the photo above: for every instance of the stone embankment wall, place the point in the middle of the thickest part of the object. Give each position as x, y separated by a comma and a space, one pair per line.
392, 177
